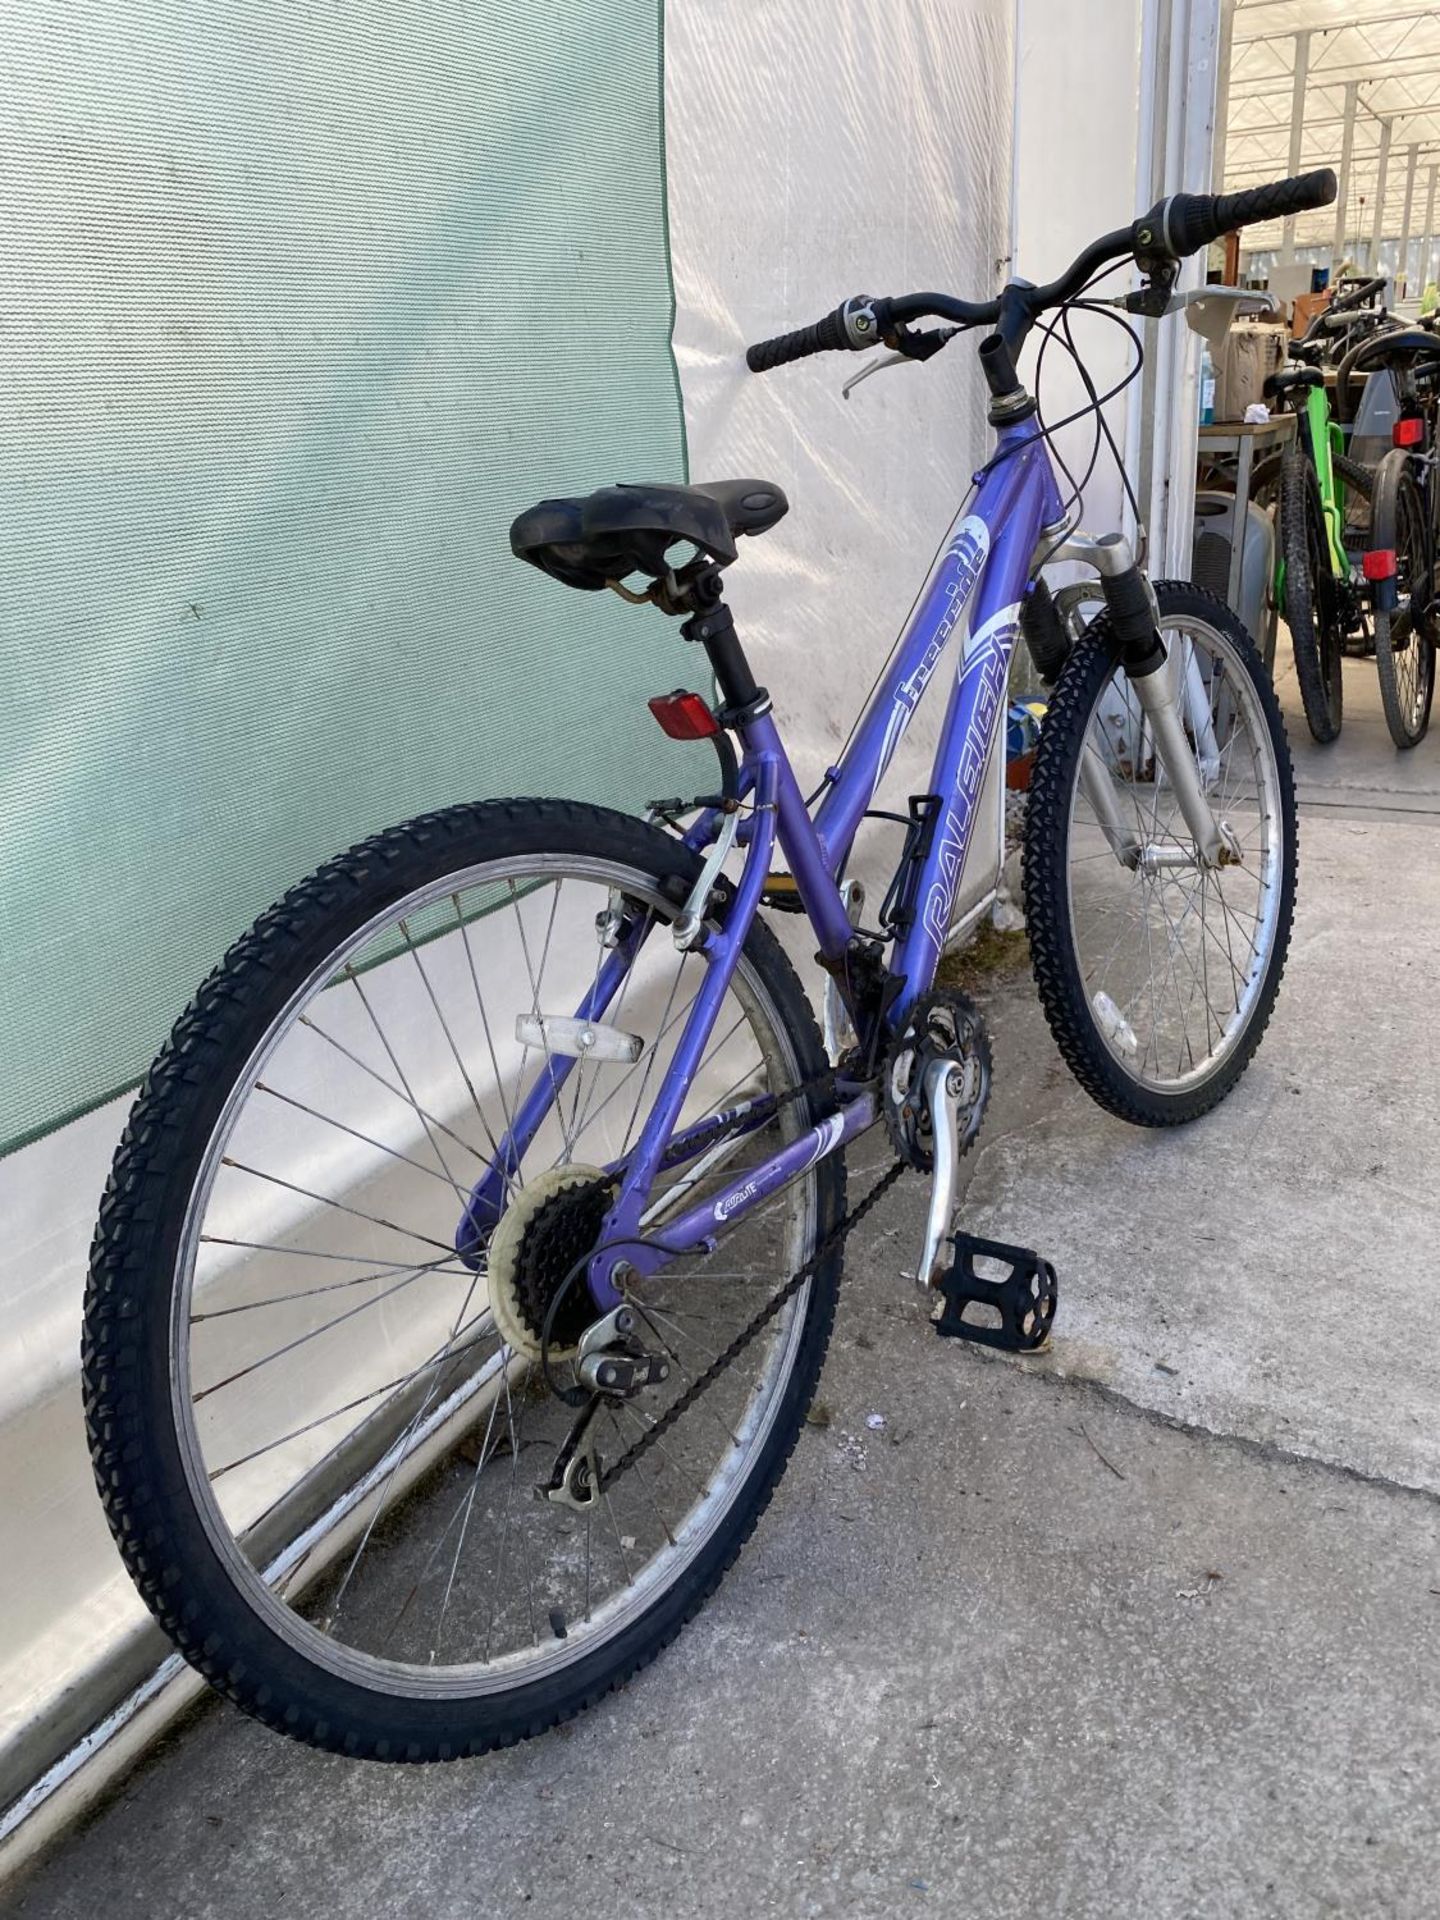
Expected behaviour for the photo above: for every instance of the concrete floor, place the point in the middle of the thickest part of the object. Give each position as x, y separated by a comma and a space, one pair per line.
1145, 1626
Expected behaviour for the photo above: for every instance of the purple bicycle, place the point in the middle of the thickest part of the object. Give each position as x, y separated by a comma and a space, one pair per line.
470, 1257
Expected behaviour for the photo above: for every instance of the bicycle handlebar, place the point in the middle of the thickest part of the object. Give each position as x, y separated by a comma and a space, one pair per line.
1358, 295
1189, 221
1174, 227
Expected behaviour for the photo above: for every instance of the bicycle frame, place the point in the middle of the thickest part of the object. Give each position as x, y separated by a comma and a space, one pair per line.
987, 563
1326, 440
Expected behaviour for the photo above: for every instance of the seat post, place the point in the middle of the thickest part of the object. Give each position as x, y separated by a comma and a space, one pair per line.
714, 627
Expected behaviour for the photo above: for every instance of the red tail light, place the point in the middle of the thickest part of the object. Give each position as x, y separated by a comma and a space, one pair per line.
684, 716
1379, 564
1408, 432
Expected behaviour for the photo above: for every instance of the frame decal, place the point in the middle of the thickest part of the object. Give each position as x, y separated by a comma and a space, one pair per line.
984, 674
969, 550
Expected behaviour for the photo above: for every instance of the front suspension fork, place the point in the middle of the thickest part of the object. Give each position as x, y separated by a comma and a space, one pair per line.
1157, 681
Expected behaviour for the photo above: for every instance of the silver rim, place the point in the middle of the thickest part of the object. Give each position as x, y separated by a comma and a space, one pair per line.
322, 1420
1173, 957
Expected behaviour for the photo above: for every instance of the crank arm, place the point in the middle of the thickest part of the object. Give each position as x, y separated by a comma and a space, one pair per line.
944, 1084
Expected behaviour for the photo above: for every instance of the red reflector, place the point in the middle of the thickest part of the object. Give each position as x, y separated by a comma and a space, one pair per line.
1379, 564
684, 716
1407, 433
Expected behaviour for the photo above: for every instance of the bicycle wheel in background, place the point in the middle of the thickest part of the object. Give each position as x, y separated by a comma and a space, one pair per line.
321, 1436
1157, 973
1404, 633
1265, 494
1311, 609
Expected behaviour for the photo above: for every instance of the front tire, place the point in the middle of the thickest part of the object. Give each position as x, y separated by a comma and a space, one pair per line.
1155, 999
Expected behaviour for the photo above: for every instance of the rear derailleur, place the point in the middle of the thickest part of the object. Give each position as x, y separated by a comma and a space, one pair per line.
614, 1365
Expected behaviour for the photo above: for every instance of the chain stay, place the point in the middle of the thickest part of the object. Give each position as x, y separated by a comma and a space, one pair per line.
747, 1333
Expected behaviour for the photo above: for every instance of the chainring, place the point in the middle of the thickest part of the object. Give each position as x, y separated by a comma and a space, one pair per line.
941, 1025
549, 1226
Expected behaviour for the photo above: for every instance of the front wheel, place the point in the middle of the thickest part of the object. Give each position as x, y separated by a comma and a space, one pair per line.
1157, 972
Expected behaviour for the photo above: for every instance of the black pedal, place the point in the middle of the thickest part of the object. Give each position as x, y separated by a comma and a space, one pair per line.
1025, 1298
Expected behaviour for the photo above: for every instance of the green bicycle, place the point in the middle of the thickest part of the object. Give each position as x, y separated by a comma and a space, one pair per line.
1316, 585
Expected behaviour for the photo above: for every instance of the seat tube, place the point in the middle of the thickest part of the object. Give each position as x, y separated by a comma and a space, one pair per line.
721, 952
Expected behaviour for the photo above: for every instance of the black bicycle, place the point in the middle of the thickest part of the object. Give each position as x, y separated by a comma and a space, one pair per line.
1399, 561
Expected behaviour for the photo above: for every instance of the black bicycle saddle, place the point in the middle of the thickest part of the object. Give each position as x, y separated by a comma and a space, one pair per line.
616, 531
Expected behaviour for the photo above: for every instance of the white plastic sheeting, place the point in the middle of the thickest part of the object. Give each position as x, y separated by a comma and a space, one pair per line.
817, 152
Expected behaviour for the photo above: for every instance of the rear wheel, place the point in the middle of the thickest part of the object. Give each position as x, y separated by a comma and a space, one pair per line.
1158, 973
1311, 605
1404, 633
319, 1436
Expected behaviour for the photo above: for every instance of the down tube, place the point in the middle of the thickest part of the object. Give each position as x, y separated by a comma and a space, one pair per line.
1017, 499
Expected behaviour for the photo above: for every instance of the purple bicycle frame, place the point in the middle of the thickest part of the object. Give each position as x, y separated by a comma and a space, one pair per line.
988, 559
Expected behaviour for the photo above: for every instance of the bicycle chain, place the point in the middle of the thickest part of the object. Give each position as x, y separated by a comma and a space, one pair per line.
747, 1333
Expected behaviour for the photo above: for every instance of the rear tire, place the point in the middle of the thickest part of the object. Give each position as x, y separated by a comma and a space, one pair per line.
1404, 645
249, 1634
1311, 609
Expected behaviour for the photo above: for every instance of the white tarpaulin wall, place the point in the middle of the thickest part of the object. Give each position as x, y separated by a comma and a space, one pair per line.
817, 152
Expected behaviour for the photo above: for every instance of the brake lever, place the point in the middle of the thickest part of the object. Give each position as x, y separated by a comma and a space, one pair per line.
911, 347
877, 365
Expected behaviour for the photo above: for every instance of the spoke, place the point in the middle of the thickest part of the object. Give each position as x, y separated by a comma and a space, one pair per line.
577, 1077
356, 1213
354, 979
330, 1286
619, 1087
451, 1352
650, 1316
685, 1474
426, 1118
490, 1139
650, 1063
619, 1538
489, 1043
314, 1253
484, 1454
304, 1339
615, 1017
548, 1065
448, 1352
513, 1429
355, 1134
638, 1477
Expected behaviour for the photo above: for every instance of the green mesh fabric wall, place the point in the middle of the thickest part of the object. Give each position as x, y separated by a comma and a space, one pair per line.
298, 307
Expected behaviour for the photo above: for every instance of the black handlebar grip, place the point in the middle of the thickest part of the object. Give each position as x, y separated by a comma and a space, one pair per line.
825, 336
1186, 222
1357, 296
